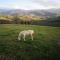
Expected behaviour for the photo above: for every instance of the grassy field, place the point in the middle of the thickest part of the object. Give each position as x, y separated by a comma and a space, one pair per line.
45, 46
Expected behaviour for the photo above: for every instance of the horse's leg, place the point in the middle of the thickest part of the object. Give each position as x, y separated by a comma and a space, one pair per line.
24, 37
19, 37
31, 36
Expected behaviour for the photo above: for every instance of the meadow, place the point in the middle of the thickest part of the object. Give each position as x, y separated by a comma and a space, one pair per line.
45, 46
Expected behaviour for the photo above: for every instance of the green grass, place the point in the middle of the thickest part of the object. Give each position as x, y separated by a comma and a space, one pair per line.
45, 46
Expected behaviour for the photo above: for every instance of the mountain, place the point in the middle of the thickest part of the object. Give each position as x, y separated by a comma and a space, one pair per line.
42, 13
57, 10
46, 13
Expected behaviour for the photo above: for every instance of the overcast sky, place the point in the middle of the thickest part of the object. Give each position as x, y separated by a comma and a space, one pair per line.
30, 4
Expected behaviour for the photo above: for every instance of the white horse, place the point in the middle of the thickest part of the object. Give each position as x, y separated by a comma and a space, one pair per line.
26, 33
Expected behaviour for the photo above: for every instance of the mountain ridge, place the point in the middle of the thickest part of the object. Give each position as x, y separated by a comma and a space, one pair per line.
37, 12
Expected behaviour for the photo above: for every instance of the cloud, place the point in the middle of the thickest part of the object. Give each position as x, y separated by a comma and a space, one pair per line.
48, 3
30, 4
22, 5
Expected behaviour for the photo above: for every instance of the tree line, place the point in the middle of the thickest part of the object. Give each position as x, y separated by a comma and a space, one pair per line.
52, 21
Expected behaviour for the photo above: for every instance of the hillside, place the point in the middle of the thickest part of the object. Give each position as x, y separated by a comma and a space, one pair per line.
48, 17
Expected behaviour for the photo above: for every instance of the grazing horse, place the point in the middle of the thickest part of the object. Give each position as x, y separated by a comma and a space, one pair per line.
26, 33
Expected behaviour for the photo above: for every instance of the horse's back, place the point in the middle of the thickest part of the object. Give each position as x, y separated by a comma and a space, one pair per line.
27, 32
31, 31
